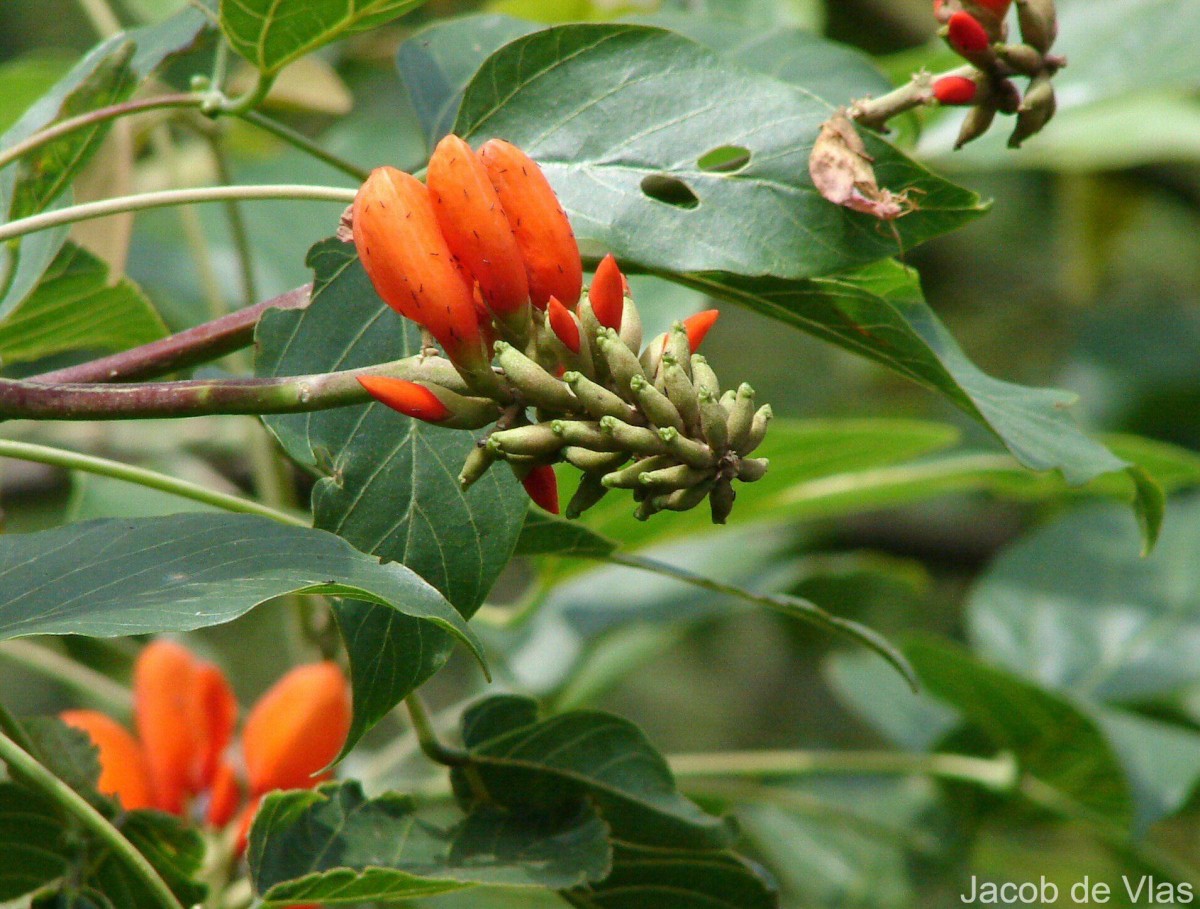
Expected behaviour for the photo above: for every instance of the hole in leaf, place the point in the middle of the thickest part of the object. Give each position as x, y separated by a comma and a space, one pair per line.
670, 190
724, 159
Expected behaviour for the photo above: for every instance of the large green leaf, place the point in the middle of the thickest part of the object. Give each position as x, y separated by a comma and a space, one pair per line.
643, 876
77, 307
136, 576
437, 63
620, 118
335, 846
1053, 739
273, 33
530, 765
880, 313
33, 838
392, 487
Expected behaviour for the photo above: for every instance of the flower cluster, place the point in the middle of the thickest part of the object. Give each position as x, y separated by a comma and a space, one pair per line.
483, 258
184, 759
978, 32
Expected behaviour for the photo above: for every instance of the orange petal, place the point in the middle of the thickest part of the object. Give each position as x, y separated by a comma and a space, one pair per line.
215, 709
406, 257
607, 293
563, 324
165, 713
475, 226
408, 398
122, 765
224, 796
698, 326
538, 222
297, 728
245, 820
542, 486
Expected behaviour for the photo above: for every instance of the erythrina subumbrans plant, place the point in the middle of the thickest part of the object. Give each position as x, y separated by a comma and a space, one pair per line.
534, 291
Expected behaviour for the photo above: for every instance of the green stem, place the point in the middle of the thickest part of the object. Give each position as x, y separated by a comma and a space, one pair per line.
194, 397
999, 774
305, 144
33, 774
90, 210
917, 92
70, 460
62, 669
432, 747
93, 117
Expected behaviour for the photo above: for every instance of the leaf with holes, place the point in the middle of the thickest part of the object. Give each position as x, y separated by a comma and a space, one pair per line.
620, 116
391, 483
335, 846
880, 313
273, 33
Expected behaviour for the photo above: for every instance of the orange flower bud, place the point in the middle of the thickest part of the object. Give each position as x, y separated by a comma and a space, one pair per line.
607, 294
955, 90
404, 253
539, 224
245, 820
408, 398
475, 226
698, 325
563, 324
542, 486
966, 35
123, 770
165, 714
224, 796
297, 728
215, 713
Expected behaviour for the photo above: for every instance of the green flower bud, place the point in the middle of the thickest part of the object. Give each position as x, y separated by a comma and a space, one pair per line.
1039, 23
721, 501
538, 440
586, 435
682, 393
728, 399
652, 355
758, 430
687, 499
1035, 111
704, 377
752, 469
475, 466
533, 383
677, 476
680, 348
1024, 59
631, 326
741, 417
622, 364
594, 461
635, 439
630, 477
590, 491
687, 450
655, 406
977, 122
713, 421
597, 400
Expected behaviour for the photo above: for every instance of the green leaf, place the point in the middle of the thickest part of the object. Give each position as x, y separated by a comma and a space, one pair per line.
334, 846
547, 534
1052, 738
26, 78
273, 33
33, 841
540, 766
643, 876
118, 577
606, 108
76, 307
879, 313
173, 848
391, 484
393, 489
69, 753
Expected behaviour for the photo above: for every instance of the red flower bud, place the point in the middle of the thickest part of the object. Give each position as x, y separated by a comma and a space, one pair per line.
166, 713
563, 324
966, 35
408, 398
607, 294
224, 796
297, 728
215, 713
539, 224
123, 770
408, 260
955, 90
698, 325
475, 226
542, 486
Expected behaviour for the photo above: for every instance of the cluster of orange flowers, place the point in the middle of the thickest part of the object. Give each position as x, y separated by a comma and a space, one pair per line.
185, 758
